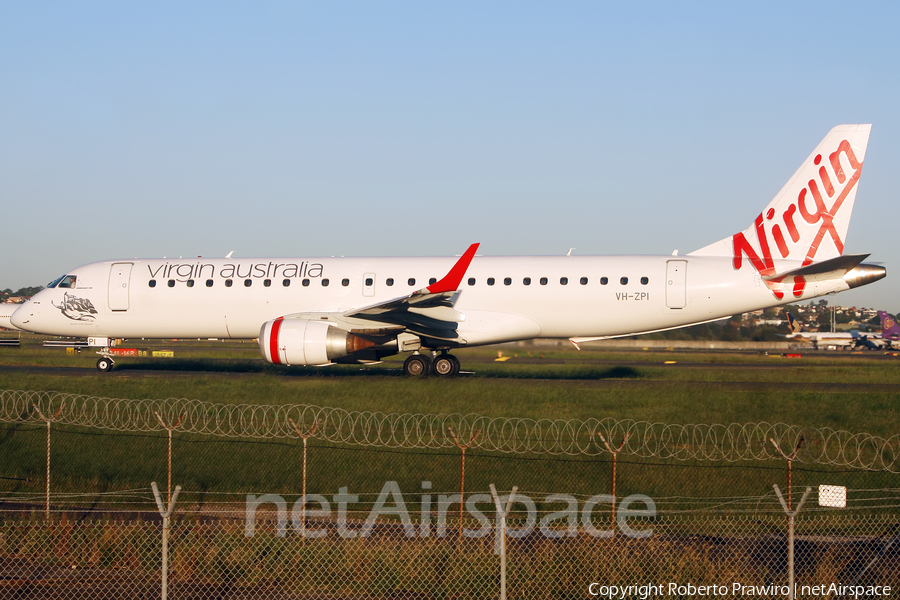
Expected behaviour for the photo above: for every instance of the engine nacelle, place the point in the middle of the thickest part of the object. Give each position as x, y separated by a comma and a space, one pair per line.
304, 342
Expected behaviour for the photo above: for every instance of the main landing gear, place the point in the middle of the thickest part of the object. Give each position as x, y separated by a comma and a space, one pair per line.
442, 365
445, 365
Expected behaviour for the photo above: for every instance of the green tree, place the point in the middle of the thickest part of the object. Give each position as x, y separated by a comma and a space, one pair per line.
28, 292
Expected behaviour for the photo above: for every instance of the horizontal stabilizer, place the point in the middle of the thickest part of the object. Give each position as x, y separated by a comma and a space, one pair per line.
833, 268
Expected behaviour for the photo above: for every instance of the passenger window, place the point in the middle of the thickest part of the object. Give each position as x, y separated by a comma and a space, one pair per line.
563, 280
152, 283
604, 280
209, 283
369, 282
171, 283
389, 281
190, 283
411, 281
267, 282
286, 283
507, 281
644, 281
228, 283
346, 282
471, 281
305, 283
432, 281
583, 281
325, 283
543, 281
526, 281
490, 281
248, 282
624, 281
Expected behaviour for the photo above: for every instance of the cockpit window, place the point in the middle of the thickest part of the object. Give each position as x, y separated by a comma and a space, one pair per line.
66, 281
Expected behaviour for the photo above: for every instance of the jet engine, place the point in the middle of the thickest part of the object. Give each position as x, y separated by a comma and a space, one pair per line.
304, 342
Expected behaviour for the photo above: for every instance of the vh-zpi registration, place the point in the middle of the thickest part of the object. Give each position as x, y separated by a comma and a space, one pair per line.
321, 311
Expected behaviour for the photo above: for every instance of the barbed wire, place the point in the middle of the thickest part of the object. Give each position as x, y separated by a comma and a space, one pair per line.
688, 442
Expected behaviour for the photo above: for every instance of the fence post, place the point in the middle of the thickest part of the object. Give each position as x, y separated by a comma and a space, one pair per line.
790, 460
462, 472
48, 421
304, 437
615, 455
169, 462
791, 514
165, 513
503, 512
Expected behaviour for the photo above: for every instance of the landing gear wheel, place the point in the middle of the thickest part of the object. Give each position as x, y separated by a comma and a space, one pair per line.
417, 366
104, 365
446, 365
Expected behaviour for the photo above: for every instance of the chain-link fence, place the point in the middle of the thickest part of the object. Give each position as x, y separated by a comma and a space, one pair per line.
398, 506
215, 558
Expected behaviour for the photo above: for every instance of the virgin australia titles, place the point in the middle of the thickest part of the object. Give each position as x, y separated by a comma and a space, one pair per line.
390, 501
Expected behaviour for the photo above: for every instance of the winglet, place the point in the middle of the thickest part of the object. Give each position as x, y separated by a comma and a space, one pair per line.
451, 281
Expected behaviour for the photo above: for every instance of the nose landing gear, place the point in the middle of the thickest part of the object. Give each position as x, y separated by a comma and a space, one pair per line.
105, 363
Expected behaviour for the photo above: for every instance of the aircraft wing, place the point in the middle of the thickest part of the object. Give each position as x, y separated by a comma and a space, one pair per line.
427, 312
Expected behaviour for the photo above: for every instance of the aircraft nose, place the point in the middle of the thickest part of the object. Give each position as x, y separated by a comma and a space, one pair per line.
21, 317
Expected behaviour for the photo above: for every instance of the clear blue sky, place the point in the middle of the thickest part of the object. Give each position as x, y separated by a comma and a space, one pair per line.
416, 128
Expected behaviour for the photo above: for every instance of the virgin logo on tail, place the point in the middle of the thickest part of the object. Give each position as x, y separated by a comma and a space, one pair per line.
793, 228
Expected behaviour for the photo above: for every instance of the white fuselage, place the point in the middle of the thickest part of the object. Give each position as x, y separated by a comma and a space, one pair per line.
193, 298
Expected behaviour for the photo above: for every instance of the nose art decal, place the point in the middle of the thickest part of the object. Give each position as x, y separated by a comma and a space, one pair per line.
75, 308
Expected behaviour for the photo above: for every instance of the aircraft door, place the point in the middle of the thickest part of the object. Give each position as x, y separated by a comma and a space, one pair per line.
676, 288
369, 284
119, 281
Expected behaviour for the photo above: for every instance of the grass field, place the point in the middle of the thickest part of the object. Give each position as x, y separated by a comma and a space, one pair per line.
854, 392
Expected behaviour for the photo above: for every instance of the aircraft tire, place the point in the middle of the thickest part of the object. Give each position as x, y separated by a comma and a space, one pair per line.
445, 365
417, 365
104, 365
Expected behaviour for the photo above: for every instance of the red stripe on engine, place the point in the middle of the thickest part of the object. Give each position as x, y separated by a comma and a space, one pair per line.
273, 340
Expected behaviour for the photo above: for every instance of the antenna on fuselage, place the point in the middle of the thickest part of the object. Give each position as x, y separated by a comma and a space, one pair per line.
229, 254
569, 253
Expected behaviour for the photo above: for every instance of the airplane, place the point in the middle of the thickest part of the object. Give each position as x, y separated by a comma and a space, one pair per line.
890, 330
6, 311
847, 339
321, 311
